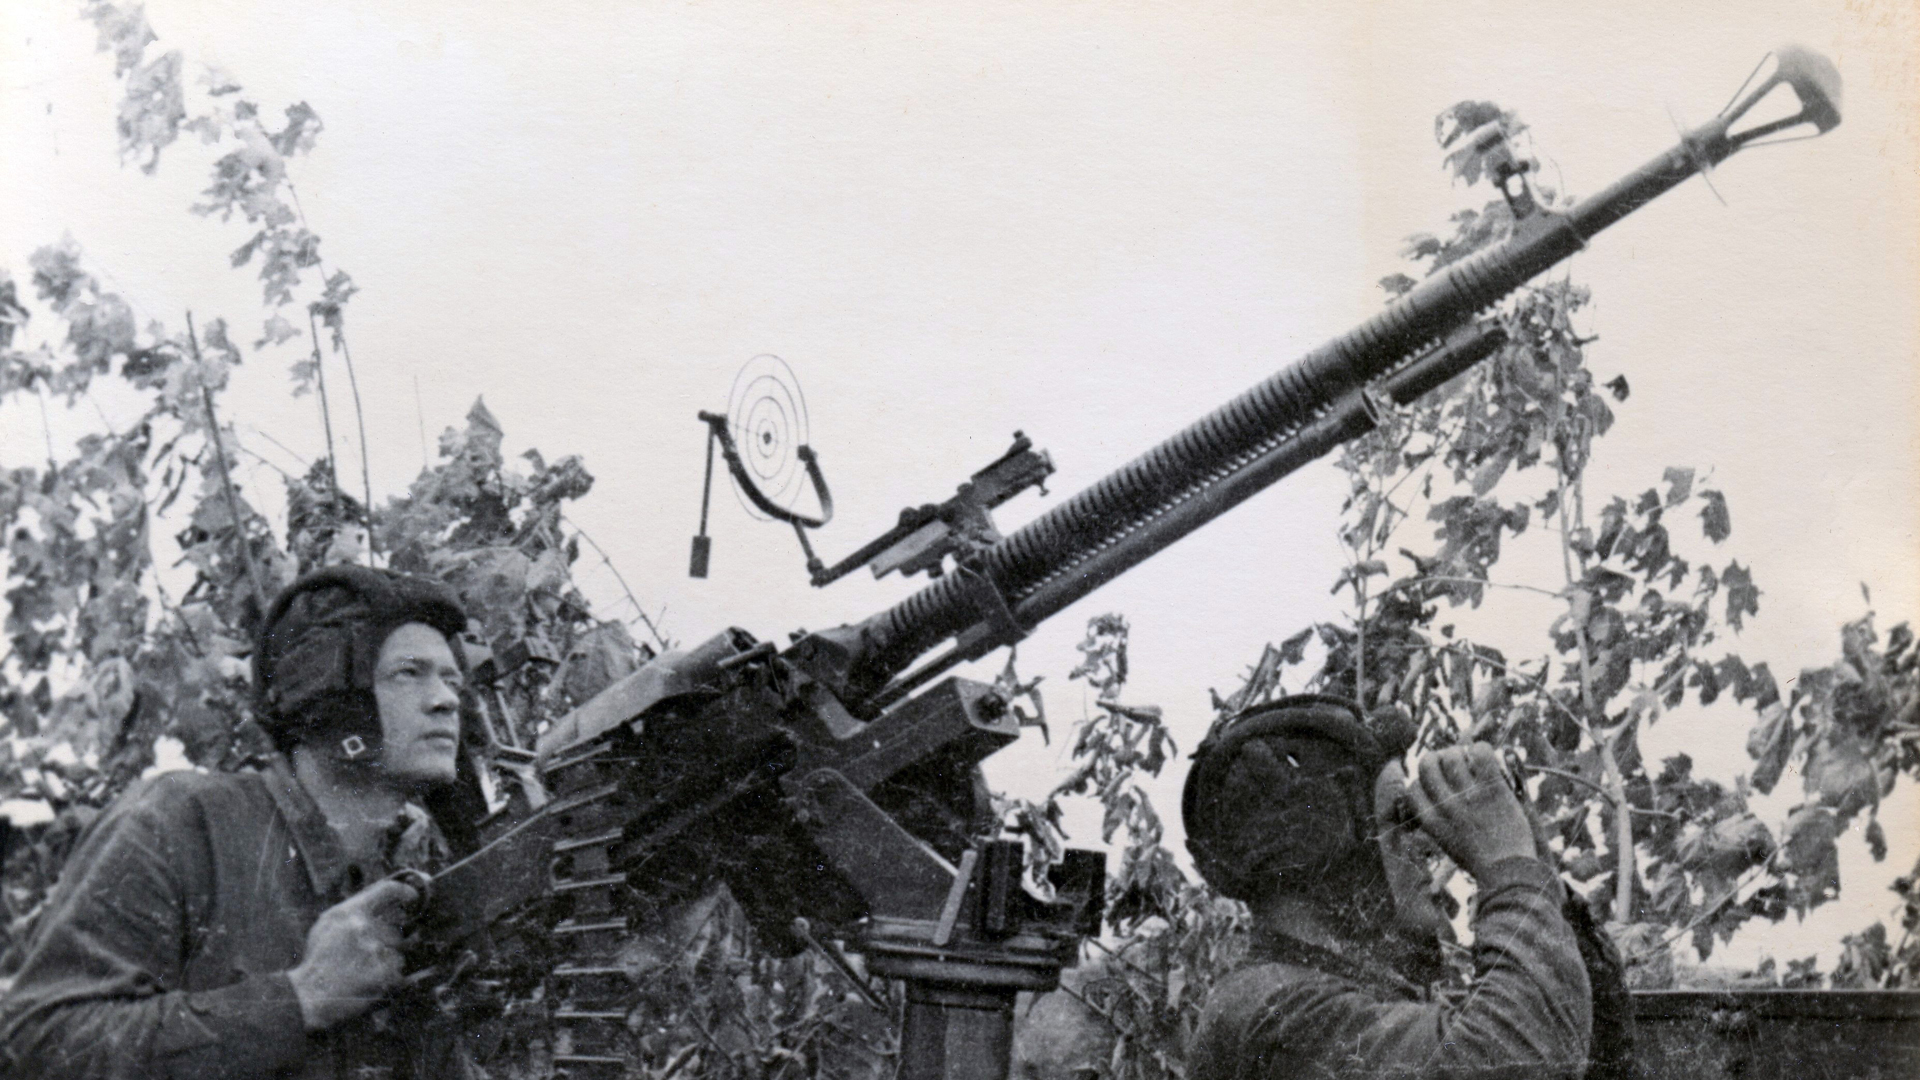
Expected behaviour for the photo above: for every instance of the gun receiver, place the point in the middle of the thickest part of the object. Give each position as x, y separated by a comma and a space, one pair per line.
811, 782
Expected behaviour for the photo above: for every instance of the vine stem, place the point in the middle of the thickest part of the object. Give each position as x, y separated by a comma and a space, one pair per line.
608, 561
1625, 867
1706, 912
267, 435
326, 414
1402, 586
46, 425
360, 419
353, 382
1597, 789
226, 479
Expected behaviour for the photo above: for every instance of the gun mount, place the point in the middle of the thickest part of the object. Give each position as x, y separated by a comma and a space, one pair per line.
830, 783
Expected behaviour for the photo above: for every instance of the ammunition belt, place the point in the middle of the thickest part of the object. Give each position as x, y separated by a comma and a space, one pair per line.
588, 990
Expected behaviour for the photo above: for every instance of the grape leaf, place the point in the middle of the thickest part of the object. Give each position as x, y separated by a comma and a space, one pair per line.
1679, 485
1839, 773
1714, 519
1743, 597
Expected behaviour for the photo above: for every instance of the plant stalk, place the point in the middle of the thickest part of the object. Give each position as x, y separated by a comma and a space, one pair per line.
326, 414
360, 419
226, 480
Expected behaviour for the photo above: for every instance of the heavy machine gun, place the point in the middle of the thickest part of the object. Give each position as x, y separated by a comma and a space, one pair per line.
833, 785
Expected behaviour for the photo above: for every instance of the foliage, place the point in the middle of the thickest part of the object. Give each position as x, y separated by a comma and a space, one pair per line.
710, 1000
1172, 935
1642, 630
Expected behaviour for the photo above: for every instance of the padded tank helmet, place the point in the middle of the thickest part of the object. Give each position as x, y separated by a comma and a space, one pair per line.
313, 662
1281, 796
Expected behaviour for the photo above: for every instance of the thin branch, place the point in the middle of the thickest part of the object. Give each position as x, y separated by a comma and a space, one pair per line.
1441, 443
1598, 790
102, 414
1430, 711
360, 418
326, 414
700, 1025
679, 1059
250, 452
267, 435
1892, 975
226, 480
1360, 639
608, 561
1576, 778
46, 426
1459, 648
1706, 912
1446, 579
1609, 764
166, 601
339, 342
1131, 966
1374, 541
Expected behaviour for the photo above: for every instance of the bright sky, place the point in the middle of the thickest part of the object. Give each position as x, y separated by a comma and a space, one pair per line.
1090, 222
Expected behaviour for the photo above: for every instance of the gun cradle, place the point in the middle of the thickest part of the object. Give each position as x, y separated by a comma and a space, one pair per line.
729, 763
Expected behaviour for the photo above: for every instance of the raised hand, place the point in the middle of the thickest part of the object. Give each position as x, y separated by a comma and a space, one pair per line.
353, 954
1464, 801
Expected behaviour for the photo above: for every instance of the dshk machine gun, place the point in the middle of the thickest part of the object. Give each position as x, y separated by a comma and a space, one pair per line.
836, 791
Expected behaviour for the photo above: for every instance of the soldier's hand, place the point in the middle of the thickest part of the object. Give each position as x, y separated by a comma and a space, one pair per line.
353, 954
1463, 800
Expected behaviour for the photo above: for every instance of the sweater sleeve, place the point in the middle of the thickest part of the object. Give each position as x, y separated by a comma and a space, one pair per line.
1527, 1014
100, 992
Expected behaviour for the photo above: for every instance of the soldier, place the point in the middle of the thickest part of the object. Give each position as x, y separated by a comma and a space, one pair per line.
248, 924
1281, 809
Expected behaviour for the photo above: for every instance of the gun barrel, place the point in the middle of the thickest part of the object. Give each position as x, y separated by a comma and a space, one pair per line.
1348, 419
1291, 417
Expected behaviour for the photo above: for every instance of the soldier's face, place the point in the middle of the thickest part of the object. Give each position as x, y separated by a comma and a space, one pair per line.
416, 685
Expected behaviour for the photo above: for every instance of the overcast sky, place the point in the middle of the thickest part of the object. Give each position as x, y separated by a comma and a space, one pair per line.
1089, 222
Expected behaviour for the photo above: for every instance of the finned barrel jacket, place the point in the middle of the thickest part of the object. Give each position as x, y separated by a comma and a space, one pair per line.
1296, 1011
165, 947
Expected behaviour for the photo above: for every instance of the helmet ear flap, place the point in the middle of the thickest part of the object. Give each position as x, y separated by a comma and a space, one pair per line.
317, 664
